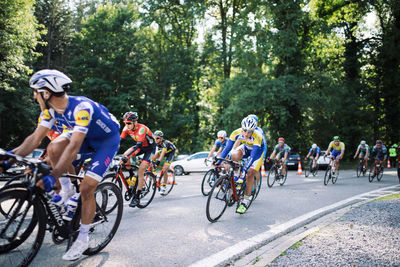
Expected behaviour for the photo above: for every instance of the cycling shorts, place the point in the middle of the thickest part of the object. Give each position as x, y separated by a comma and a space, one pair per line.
335, 154
105, 152
282, 155
169, 157
259, 158
147, 152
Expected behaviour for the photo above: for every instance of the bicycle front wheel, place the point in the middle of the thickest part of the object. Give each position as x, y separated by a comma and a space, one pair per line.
359, 170
170, 182
218, 198
208, 182
22, 227
315, 170
380, 174
106, 219
271, 176
371, 175
307, 170
148, 190
327, 176
283, 179
335, 177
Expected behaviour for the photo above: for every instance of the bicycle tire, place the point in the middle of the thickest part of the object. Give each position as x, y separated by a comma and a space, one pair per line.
218, 199
307, 169
37, 225
359, 170
103, 226
207, 183
371, 174
252, 195
271, 176
380, 174
258, 186
315, 172
283, 179
327, 175
171, 182
335, 177
112, 177
149, 190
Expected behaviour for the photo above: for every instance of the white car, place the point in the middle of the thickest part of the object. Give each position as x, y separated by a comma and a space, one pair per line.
192, 163
323, 162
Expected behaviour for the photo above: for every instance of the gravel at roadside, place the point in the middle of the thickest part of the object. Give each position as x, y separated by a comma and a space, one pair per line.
367, 235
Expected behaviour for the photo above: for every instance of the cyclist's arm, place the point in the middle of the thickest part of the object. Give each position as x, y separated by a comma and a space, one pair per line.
69, 154
32, 141
226, 150
285, 156
341, 154
219, 151
211, 151
273, 154
162, 154
237, 143
355, 155
308, 155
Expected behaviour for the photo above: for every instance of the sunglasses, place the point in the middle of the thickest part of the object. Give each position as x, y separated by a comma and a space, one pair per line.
247, 131
220, 138
158, 138
128, 122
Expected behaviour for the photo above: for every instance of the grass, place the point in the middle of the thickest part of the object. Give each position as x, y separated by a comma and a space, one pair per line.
394, 196
294, 246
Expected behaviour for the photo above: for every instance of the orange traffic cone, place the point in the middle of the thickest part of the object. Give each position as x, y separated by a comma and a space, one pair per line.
388, 165
263, 173
171, 176
299, 169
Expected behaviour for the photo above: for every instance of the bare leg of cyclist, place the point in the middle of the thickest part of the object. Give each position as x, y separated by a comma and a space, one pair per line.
165, 172
142, 168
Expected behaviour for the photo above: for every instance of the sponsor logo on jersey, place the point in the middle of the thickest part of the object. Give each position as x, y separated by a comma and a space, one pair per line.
103, 126
46, 115
82, 118
141, 131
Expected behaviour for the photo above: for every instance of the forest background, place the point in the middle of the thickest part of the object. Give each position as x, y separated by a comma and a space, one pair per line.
308, 69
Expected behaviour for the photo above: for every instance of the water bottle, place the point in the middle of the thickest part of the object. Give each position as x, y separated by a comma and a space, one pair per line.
72, 203
57, 199
131, 181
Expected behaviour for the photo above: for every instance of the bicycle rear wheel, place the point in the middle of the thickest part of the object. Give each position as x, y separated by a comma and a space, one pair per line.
218, 198
257, 186
22, 227
148, 191
208, 182
170, 182
327, 175
106, 219
271, 176
112, 178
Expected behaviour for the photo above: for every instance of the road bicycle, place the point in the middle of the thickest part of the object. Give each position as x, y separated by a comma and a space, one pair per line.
224, 192
275, 174
28, 211
376, 170
361, 170
310, 169
331, 173
159, 178
124, 180
209, 179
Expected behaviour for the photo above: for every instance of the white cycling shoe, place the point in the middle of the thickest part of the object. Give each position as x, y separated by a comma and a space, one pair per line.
76, 250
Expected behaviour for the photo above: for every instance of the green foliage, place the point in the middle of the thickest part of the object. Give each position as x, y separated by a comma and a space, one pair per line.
18, 37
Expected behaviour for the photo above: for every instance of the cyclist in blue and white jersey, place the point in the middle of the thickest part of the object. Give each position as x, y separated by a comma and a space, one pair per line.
219, 144
252, 147
363, 149
314, 153
92, 126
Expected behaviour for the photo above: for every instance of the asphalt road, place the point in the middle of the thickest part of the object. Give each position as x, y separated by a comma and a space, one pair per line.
174, 230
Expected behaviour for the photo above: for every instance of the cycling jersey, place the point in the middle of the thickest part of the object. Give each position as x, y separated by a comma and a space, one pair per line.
337, 148
363, 150
381, 153
264, 140
167, 146
94, 120
281, 150
142, 135
314, 152
254, 146
219, 144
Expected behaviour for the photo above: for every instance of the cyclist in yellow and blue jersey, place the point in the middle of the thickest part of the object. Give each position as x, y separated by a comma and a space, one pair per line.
337, 149
252, 148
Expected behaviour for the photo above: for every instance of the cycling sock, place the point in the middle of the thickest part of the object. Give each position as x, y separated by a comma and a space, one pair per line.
84, 232
66, 184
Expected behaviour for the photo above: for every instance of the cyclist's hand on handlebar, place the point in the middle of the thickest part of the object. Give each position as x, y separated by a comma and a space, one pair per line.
4, 165
124, 160
47, 182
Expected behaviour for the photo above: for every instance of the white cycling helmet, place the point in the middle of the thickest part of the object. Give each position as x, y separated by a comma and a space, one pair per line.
363, 142
249, 124
314, 146
52, 80
253, 116
221, 133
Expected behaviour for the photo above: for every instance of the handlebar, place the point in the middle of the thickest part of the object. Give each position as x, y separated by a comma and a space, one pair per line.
229, 161
38, 164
